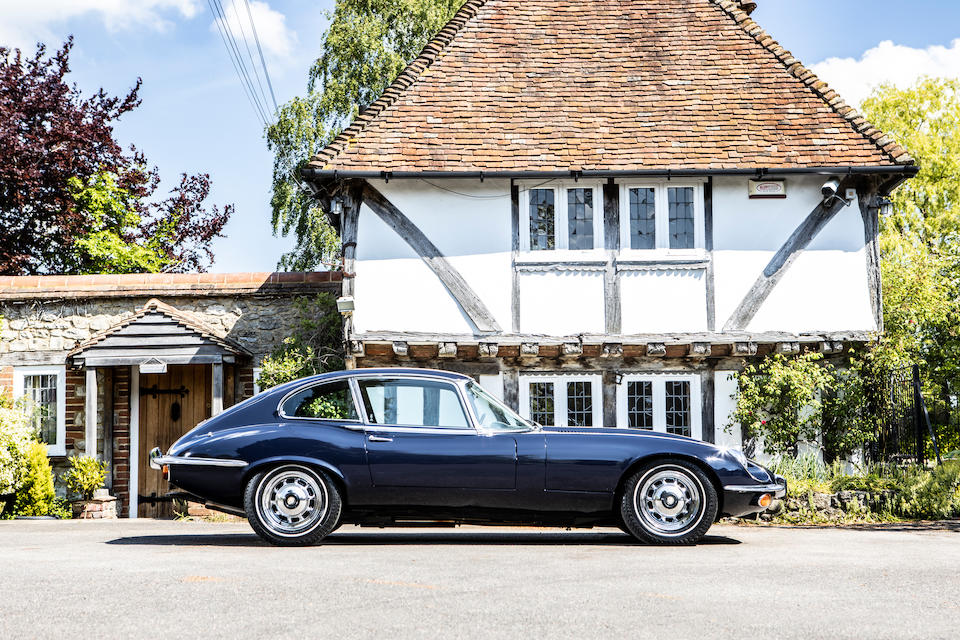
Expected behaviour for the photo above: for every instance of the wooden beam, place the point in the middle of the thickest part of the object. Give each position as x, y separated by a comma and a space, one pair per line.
707, 393
446, 349
90, 413
515, 250
656, 349
571, 350
700, 349
216, 403
488, 349
781, 261
611, 241
511, 389
609, 387
708, 245
870, 212
462, 293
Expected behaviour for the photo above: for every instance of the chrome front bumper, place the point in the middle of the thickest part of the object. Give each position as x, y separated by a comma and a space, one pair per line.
157, 460
778, 488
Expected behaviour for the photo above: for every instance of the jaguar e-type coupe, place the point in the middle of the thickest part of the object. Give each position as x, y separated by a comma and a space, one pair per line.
392, 446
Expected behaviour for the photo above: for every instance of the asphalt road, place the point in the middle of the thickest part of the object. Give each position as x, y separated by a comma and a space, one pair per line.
163, 579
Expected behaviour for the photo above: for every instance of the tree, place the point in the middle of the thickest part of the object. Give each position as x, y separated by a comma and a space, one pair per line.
314, 346
920, 240
368, 44
71, 199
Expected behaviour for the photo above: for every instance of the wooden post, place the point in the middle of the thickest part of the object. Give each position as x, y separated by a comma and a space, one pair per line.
133, 460
90, 413
216, 405
108, 425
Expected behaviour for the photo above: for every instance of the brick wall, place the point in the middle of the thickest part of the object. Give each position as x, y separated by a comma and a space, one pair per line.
121, 438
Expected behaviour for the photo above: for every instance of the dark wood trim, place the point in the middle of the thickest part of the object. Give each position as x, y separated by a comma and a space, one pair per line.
611, 240
462, 293
708, 245
707, 404
511, 389
870, 212
781, 261
609, 386
515, 248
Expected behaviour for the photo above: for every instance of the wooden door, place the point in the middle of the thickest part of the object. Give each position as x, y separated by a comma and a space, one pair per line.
161, 424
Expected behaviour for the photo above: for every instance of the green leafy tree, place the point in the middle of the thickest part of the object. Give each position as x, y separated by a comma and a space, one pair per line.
920, 241
315, 345
366, 46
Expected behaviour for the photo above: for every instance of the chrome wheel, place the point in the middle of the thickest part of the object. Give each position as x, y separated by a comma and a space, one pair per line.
668, 500
292, 501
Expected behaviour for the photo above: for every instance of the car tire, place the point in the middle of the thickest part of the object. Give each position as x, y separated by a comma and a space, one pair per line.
668, 502
292, 505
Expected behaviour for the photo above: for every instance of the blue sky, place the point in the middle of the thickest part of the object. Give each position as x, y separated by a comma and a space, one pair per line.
195, 116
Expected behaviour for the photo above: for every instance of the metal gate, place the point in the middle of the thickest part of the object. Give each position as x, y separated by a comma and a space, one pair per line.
903, 421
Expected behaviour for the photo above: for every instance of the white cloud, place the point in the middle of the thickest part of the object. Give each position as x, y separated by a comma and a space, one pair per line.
25, 22
854, 79
278, 41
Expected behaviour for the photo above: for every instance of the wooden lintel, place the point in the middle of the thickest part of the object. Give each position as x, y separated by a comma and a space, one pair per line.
447, 349
744, 348
611, 350
488, 349
656, 349
571, 350
788, 347
700, 349
462, 293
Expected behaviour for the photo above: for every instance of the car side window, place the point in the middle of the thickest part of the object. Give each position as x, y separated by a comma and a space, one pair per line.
413, 403
330, 401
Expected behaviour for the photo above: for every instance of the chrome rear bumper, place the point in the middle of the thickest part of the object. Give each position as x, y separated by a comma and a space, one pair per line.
157, 460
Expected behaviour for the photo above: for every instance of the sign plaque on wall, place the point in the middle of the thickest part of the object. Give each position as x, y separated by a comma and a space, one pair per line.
768, 188
153, 365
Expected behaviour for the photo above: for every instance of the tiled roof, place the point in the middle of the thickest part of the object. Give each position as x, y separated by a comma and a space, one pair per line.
166, 284
186, 320
557, 85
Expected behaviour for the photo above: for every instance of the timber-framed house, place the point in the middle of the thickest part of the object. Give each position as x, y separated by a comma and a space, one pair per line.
601, 209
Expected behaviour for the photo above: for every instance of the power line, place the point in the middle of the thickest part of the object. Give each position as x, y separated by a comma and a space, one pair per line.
246, 45
229, 39
223, 37
263, 62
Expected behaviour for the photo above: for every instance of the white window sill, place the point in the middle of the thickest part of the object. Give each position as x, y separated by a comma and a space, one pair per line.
553, 256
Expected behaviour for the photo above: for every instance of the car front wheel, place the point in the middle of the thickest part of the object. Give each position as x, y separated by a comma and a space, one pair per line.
669, 502
292, 505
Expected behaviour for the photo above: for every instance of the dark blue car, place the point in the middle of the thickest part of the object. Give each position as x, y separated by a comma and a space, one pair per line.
390, 446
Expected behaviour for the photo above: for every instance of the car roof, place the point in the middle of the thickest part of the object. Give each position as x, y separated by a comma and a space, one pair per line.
393, 371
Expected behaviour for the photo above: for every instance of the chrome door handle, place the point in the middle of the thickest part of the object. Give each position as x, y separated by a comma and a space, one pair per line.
379, 439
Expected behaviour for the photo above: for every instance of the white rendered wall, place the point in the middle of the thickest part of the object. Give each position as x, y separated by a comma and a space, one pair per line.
826, 287
562, 303
724, 388
396, 291
663, 301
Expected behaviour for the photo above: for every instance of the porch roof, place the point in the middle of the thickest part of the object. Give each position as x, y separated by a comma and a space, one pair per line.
158, 332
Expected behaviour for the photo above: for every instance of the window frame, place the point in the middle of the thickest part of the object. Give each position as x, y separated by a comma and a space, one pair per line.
659, 381
319, 383
561, 216
20, 372
560, 396
470, 428
662, 218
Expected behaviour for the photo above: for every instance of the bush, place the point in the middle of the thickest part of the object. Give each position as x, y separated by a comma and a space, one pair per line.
35, 494
314, 346
16, 434
85, 476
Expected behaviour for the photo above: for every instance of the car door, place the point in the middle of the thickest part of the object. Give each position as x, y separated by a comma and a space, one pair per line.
420, 436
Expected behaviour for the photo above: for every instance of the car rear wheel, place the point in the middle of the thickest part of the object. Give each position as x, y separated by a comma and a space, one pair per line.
668, 502
292, 505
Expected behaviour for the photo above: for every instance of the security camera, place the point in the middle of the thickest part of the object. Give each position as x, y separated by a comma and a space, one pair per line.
830, 188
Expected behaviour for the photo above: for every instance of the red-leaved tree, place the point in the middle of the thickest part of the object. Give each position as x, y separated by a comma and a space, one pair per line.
49, 133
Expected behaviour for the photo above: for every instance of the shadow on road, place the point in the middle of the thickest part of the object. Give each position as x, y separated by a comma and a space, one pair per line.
384, 538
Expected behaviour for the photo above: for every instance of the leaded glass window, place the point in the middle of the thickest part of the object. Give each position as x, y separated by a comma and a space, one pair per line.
542, 220
541, 403
580, 404
41, 391
680, 202
640, 404
580, 218
643, 218
677, 396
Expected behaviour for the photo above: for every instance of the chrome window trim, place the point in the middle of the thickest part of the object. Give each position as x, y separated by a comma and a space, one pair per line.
457, 385
315, 383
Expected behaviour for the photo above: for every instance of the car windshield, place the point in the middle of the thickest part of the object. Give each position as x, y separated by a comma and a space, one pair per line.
493, 414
